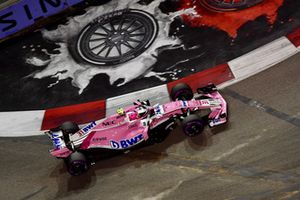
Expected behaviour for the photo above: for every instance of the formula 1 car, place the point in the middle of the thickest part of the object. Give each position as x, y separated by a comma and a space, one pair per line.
138, 123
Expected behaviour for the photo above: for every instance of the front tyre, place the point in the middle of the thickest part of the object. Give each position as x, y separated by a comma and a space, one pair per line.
77, 164
192, 125
181, 91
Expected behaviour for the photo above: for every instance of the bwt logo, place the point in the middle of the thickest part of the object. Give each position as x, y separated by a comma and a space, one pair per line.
87, 128
124, 144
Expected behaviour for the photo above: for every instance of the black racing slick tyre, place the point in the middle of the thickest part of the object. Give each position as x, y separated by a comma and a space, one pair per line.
192, 125
159, 134
116, 37
68, 128
77, 163
181, 91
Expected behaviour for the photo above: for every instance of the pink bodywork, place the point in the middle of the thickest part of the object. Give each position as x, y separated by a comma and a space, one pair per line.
122, 131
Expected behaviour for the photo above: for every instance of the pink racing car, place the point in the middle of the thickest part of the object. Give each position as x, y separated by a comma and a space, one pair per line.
138, 123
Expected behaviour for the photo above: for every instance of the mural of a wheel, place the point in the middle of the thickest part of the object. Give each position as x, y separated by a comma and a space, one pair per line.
228, 5
117, 37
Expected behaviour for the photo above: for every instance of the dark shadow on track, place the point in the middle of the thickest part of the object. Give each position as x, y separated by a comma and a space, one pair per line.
146, 153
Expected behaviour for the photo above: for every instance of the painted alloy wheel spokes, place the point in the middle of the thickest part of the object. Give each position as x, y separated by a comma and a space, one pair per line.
117, 38
228, 5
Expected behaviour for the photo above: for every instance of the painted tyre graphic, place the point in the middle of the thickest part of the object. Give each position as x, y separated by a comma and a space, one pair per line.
229, 5
117, 37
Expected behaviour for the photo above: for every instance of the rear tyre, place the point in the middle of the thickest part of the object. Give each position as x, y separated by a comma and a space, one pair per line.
193, 125
67, 129
77, 164
159, 134
181, 91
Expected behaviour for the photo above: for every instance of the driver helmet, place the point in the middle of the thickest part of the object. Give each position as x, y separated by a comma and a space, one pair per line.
120, 111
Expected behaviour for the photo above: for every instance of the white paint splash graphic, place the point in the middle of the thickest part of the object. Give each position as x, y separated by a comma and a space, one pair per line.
37, 61
63, 66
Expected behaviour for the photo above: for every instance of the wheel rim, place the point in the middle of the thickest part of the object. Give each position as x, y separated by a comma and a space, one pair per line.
77, 167
193, 128
117, 39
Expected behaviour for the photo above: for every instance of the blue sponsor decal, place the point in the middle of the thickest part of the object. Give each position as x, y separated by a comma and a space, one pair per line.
158, 110
184, 104
57, 141
88, 127
124, 144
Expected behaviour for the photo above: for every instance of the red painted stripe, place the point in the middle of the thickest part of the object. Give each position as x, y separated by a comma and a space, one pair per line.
294, 37
80, 113
87, 112
216, 75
